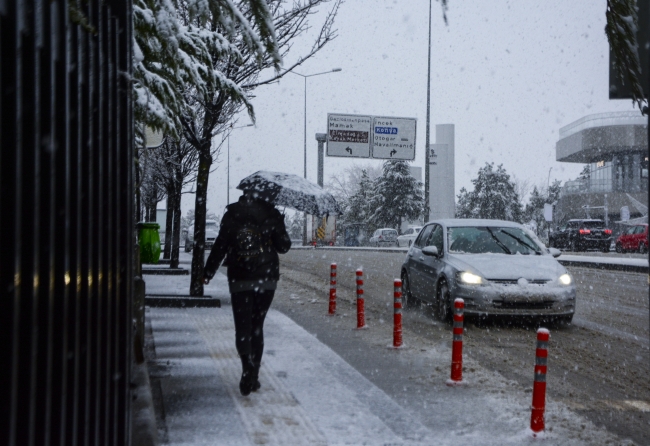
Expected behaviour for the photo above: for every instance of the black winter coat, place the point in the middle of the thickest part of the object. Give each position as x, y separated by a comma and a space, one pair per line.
274, 234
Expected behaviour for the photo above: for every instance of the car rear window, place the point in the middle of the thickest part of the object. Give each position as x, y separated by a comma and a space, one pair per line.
592, 224
390, 232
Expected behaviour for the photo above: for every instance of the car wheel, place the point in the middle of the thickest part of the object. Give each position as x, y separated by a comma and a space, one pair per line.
188, 247
443, 303
619, 248
572, 246
643, 248
409, 301
605, 248
410, 243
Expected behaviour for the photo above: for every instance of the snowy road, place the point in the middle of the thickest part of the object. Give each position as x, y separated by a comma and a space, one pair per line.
324, 383
598, 366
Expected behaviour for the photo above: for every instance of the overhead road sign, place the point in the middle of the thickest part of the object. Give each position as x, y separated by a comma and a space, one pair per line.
365, 136
348, 135
393, 138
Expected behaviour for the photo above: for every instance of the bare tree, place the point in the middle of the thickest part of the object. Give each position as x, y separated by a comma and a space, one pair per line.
522, 188
345, 183
176, 168
210, 111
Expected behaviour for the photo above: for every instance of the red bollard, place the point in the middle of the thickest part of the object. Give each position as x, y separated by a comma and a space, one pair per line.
457, 345
539, 386
361, 310
332, 307
397, 315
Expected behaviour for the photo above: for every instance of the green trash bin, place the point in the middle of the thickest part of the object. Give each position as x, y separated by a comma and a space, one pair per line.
149, 242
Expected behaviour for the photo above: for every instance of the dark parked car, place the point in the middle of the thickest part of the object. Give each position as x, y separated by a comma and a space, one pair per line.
581, 235
496, 267
634, 238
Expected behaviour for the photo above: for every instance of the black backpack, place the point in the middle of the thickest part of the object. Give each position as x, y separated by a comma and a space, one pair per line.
249, 244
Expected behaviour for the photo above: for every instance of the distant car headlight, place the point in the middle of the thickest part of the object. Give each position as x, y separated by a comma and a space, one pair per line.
565, 279
470, 279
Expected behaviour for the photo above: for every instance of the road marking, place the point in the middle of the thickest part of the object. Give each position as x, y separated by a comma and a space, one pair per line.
643, 406
580, 322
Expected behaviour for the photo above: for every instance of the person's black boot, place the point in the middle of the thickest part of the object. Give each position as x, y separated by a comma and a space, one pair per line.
247, 375
256, 378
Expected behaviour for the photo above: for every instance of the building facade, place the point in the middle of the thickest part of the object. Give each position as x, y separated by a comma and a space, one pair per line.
615, 147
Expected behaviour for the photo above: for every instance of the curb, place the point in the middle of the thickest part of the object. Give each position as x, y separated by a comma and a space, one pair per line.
175, 301
166, 271
606, 266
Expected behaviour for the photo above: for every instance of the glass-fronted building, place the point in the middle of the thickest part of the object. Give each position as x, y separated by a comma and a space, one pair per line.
615, 147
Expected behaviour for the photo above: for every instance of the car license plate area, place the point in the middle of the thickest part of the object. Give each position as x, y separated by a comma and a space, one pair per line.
523, 304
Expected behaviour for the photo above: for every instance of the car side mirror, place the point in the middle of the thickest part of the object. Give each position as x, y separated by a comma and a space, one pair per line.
430, 251
555, 252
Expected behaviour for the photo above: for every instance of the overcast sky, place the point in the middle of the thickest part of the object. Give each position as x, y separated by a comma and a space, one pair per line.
508, 74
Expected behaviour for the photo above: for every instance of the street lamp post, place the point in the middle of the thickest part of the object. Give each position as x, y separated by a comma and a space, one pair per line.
427, 211
228, 168
305, 76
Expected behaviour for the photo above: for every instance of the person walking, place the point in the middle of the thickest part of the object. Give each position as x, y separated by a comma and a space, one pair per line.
251, 235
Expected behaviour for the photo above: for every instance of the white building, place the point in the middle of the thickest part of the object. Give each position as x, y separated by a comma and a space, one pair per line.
442, 202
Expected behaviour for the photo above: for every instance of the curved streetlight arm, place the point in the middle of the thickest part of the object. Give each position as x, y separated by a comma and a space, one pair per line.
333, 70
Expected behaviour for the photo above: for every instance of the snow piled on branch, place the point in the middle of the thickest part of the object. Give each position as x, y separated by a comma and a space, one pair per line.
173, 53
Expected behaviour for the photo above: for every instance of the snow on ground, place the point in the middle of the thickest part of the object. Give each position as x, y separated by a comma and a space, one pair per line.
311, 396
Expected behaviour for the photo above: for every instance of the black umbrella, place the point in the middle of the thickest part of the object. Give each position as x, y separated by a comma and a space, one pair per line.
285, 189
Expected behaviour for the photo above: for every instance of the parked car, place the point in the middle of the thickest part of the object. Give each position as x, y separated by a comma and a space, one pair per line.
581, 235
211, 232
635, 238
497, 267
408, 237
384, 237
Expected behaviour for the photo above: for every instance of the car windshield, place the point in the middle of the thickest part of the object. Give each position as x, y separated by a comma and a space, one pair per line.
494, 240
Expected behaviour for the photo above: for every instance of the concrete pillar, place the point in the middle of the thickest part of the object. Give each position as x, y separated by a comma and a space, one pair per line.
442, 201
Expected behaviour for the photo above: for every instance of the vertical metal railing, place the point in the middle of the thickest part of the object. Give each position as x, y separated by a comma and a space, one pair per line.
66, 213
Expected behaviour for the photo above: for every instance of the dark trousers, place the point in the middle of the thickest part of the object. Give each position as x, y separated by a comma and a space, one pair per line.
249, 309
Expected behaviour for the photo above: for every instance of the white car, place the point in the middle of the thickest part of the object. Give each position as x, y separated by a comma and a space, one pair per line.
384, 237
211, 232
409, 236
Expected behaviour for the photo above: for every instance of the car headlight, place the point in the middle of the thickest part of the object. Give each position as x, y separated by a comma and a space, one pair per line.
565, 279
470, 279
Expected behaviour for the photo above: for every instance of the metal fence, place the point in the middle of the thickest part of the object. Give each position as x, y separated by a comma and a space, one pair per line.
66, 219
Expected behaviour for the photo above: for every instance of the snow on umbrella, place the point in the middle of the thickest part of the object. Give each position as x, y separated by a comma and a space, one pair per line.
284, 189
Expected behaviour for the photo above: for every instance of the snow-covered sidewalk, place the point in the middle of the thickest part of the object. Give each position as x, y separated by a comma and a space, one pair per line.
309, 395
